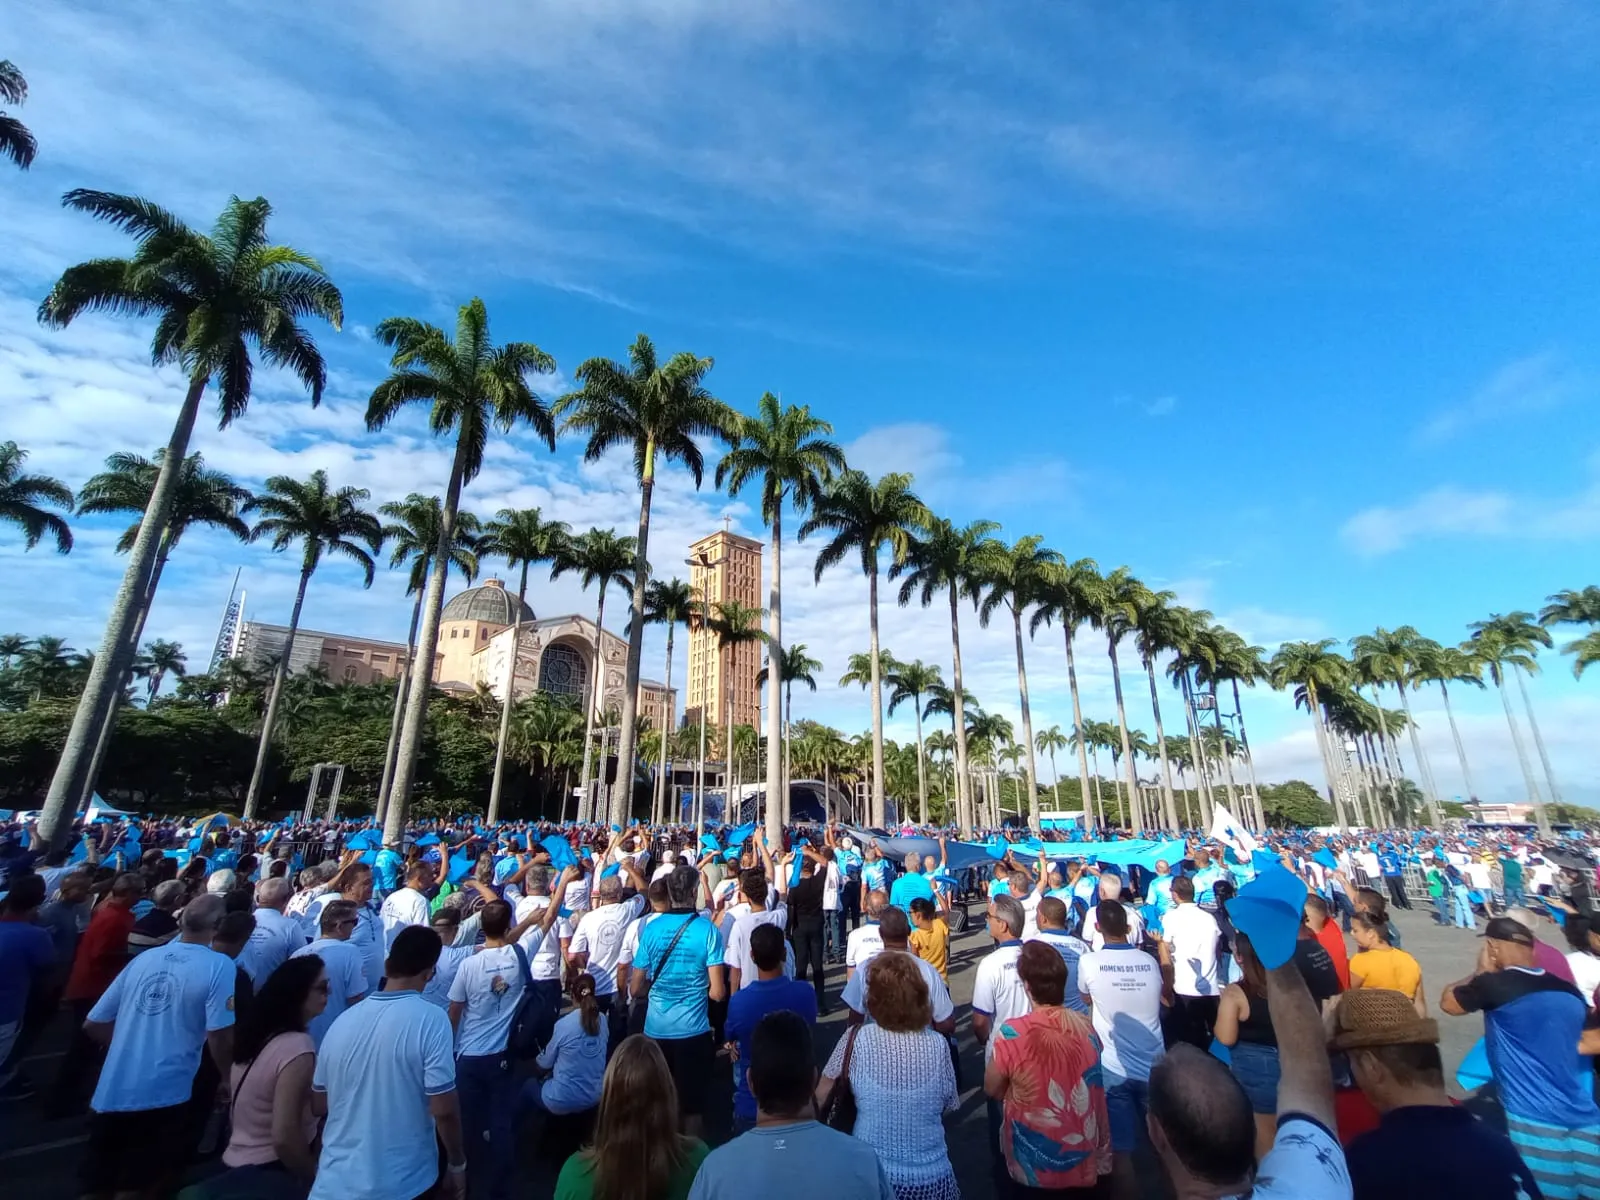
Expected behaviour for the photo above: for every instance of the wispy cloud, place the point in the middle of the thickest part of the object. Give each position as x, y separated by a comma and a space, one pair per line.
1536, 385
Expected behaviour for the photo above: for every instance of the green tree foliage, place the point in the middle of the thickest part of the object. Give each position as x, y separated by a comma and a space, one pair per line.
1295, 804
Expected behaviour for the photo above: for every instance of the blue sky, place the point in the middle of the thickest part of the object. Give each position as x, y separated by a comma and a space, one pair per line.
1293, 313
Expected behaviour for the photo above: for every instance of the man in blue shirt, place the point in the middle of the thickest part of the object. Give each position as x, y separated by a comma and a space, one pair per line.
875, 874
913, 885
1207, 875
1393, 875
1532, 1022
849, 862
386, 872
679, 966
772, 992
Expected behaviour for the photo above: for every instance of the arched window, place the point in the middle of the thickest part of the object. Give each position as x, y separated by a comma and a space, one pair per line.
562, 671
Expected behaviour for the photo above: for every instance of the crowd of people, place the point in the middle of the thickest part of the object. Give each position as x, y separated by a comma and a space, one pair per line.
265, 1012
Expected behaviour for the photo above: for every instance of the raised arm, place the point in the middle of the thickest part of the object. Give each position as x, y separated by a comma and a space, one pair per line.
1305, 1080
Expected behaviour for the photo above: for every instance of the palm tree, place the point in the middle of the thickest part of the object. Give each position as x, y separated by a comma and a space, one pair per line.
657, 410
522, 537
1586, 651
203, 497
1071, 594
212, 299
16, 142
160, 659
797, 667
912, 681
1163, 627
1520, 632
1118, 603
1181, 757
863, 517
21, 498
1391, 656
414, 534
732, 624
1313, 668
667, 602
1048, 741
1445, 665
1012, 581
43, 665
324, 522
1235, 661
469, 384
787, 450
945, 557
1571, 607
601, 558
11, 645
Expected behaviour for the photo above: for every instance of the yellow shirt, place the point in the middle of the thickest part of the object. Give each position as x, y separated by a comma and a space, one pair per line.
1386, 967
932, 945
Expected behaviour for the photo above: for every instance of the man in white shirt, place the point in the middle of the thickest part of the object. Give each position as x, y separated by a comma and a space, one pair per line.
1122, 985
753, 892
597, 944
865, 940
347, 975
895, 929
276, 935
407, 905
1111, 889
668, 864
163, 1010
1189, 937
386, 1081
547, 959
997, 992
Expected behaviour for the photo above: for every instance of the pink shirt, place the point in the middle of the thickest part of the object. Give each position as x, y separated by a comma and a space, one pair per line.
254, 1084
1548, 958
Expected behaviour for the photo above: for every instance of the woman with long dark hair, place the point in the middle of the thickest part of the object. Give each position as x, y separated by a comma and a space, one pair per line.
273, 1144
1244, 1026
637, 1152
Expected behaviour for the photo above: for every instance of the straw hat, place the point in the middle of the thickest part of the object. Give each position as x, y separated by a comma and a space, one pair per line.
1379, 1017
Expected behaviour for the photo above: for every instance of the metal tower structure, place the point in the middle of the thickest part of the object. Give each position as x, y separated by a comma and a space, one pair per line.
228, 630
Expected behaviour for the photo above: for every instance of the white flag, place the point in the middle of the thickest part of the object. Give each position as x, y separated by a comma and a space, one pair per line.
1230, 832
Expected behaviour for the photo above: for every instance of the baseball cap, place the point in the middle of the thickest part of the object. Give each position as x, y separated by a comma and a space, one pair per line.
1504, 929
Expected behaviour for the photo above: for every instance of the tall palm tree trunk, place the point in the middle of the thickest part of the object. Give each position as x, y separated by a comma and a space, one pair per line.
1461, 750
663, 787
1077, 718
922, 768
788, 741
1122, 728
622, 790
402, 686
1249, 759
1099, 802
1169, 806
958, 720
1532, 785
416, 715
586, 800
1422, 760
252, 797
1222, 753
1202, 773
1538, 738
102, 742
777, 792
1315, 707
1055, 774
1027, 724
105, 674
878, 811
505, 708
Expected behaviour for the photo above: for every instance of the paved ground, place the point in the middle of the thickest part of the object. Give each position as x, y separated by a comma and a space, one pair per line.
39, 1158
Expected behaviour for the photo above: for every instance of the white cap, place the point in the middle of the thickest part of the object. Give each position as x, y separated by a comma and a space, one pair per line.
848, 843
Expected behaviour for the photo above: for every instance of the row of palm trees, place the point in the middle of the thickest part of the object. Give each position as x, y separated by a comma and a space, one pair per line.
216, 298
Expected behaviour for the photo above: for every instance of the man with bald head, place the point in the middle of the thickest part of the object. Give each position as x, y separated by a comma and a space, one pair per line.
276, 935
913, 885
157, 1016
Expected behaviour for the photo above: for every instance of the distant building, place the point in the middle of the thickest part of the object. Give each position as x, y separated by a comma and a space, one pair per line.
476, 645
724, 567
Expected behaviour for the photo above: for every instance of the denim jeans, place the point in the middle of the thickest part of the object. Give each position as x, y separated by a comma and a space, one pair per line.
1463, 908
833, 932
547, 993
1441, 908
488, 1089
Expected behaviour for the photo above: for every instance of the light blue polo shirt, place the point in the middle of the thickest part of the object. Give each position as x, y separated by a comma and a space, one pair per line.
678, 987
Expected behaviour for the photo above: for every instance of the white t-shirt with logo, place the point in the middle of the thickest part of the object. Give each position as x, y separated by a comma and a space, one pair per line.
1123, 984
490, 985
863, 942
163, 1004
347, 977
997, 990
600, 933
855, 991
378, 1066
546, 960
1191, 934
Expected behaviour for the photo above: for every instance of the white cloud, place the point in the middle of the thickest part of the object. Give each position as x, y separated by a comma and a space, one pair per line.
1537, 384
943, 477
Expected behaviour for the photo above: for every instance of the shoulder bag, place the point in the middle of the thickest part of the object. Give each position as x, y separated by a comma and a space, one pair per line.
522, 1041
840, 1110
640, 1005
